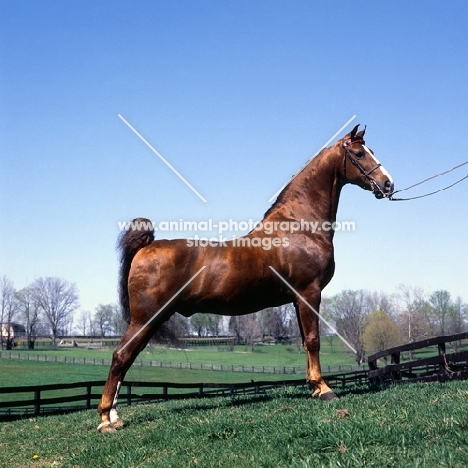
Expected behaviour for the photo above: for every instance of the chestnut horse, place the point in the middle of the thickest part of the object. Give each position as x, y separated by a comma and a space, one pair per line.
159, 278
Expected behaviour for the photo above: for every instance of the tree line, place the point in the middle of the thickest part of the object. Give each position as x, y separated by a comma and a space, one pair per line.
368, 321
49, 307
373, 322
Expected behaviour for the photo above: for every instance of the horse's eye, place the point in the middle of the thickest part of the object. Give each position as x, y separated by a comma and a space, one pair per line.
359, 154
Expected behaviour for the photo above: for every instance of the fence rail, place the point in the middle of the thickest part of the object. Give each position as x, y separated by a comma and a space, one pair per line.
440, 367
34, 403
290, 370
37, 400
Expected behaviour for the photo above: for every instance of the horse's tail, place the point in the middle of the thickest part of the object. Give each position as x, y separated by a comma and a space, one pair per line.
137, 234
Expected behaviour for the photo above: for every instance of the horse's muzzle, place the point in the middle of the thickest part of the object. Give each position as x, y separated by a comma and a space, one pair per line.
383, 191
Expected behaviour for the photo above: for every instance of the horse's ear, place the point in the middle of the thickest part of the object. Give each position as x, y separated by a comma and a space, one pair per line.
354, 131
360, 135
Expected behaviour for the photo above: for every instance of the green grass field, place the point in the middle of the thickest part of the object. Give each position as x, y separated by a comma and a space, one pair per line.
21, 373
422, 425
17, 373
14, 372
278, 355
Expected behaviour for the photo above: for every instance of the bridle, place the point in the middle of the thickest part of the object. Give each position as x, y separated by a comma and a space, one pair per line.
375, 186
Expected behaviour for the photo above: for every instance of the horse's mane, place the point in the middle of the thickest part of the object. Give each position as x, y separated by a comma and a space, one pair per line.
283, 196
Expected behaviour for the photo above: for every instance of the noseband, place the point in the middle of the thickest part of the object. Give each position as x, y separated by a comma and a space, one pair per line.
375, 186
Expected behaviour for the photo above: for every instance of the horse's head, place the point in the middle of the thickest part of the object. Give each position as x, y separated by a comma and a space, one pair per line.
360, 166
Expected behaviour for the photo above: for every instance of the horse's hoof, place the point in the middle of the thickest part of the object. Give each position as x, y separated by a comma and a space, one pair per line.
117, 424
106, 427
329, 396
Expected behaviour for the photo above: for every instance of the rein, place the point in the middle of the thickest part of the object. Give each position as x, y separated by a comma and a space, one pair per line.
390, 197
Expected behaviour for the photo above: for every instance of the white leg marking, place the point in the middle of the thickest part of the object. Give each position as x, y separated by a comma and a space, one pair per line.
113, 416
113, 412
107, 423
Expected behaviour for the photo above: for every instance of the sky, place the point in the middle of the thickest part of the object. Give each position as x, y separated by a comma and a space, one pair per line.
236, 96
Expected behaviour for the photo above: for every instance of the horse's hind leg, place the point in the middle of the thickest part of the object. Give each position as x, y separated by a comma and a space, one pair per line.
134, 340
309, 325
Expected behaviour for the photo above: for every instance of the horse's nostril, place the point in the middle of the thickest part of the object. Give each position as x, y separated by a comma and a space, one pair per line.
388, 186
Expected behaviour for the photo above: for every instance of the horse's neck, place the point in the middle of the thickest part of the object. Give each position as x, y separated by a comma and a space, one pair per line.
314, 193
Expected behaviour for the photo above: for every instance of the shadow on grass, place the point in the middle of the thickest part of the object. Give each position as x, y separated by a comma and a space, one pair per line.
207, 404
215, 401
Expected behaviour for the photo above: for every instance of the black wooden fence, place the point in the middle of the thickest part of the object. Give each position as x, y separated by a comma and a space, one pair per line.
441, 367
39, 400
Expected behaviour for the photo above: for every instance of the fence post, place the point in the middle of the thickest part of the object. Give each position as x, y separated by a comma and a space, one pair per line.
88, 396
129, 394
441, 348
37, 402
395, 359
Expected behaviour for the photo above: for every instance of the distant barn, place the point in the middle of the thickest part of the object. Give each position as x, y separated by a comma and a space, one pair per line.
16, 330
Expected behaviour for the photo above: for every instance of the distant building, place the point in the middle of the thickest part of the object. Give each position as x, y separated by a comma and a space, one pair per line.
16, 330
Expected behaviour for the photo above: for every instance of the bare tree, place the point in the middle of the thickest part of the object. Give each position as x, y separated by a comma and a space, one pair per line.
457, 320
412, 314
119, 325
349, 309
246, 328
103, 318
58, 299
83, 323
235, 327
441, 308
274, 321
8, 310
30, 313
458, 317
380, 301
250, 329
327, 312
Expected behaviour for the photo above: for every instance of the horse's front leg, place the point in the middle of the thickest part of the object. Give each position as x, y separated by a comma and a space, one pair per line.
309, 324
